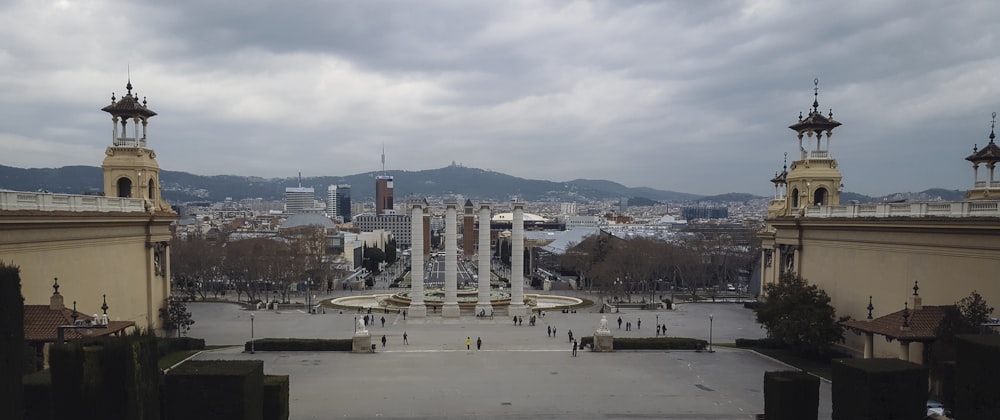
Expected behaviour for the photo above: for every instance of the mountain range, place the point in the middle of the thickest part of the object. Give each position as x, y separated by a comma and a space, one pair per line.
473, 183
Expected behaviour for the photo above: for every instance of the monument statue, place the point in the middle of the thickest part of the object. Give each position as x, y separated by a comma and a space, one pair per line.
602, 328
362, 329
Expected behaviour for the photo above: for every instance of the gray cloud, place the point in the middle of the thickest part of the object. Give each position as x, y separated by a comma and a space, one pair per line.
688, 96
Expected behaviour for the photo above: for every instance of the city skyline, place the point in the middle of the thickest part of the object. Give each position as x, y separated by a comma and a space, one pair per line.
670, 95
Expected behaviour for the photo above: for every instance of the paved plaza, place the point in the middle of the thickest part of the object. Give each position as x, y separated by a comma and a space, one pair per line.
520, 372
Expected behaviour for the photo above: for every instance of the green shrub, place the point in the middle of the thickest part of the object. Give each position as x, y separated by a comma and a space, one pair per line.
11, 342
877, 389
978, 359
300, 344
659, 343
791, 395
114, 376
216, 389
276, 397
165, 346
587, 341
763, 343
38, 395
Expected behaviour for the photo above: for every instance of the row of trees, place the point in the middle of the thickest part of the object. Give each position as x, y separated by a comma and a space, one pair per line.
256, 267
642, 265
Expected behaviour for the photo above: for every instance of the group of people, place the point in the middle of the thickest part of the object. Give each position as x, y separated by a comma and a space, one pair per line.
468, 343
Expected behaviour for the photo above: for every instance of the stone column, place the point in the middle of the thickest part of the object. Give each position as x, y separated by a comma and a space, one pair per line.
417, 308
517, 307
484, 306
450, 307
869, 345
904, 350
917, 352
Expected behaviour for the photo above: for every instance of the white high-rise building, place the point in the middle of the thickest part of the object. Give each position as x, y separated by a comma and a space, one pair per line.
299, 199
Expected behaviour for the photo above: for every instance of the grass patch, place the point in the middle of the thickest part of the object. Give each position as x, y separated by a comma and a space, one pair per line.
174, 358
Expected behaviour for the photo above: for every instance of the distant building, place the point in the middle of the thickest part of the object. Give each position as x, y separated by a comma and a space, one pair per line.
396, 224
383, 195
692, 213
338, 202
299, 199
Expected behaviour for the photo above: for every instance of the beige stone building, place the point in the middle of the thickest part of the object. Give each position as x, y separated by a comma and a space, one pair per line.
861, 253
113, 247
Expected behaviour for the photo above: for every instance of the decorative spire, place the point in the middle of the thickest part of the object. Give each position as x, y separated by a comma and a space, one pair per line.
75, 316
870, 307
815, 94
785, 166
104, 307
112, 98
128, 86
915, 288
992, 125
55, 285
906, 315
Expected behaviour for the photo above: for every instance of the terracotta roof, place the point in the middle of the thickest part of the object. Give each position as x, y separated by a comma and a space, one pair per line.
923, 324
40, 324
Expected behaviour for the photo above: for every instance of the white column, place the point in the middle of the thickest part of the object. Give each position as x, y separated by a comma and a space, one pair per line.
484, 306
417, 308
869, 345
904, 350
450, 307
517, 307
917, 352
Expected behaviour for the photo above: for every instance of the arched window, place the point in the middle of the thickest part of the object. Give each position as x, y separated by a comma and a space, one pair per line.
820, 197
124, 187
151, 186
795, 198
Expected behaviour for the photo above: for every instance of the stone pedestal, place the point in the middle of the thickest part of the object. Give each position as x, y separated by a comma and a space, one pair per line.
417, 311
604, 343
362, 344
450, 310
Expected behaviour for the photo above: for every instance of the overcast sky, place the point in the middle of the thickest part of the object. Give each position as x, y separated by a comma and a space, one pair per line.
690, 96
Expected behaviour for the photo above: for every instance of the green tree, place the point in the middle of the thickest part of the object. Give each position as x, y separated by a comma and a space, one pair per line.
390, 251
175, 315
800, 315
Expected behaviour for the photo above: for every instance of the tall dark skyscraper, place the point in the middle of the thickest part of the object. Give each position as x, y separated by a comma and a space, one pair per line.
383, 195
338, 202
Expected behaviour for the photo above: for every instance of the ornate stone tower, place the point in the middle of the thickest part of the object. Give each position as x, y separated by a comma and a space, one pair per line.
778, 205
813, 179
130, 168
989, 187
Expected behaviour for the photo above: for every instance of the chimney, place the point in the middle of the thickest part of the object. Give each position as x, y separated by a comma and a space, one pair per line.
915, 300
56, 301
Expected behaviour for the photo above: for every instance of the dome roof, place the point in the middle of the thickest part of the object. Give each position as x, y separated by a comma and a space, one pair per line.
308, 219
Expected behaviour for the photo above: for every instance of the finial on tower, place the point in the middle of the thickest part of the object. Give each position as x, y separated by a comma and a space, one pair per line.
915, 288
55, 285
785, 166
815, 94
993, 125
870, 307
104, 307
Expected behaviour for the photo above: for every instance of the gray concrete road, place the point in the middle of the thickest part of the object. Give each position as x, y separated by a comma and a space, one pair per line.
519, 373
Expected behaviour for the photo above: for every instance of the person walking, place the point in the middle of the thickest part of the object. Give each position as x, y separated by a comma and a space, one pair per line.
638, 323
628, 326
468, 343
383, 341
570, 335
574, 348
549, 330
619, 323
383, 322
553, 331
515, 320
479, 343
657, 330
406, 338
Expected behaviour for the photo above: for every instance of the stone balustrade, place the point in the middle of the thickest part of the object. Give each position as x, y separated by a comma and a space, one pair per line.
925, 209
20, 200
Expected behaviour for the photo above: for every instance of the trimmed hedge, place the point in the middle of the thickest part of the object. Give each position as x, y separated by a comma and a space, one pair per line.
791, 395
11, 342
38, 395
276, 397
651, 343
878, 389
215, 389
165, 346
978, 366
300, 344
763, 343
114, 376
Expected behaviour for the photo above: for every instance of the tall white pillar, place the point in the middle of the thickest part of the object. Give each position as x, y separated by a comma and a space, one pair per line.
904, 350
916, 353
484, 306
417, 308
450, 307
869, 345
517, 307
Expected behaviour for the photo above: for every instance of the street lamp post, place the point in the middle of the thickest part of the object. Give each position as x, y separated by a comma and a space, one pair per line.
711, 322
251, 333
